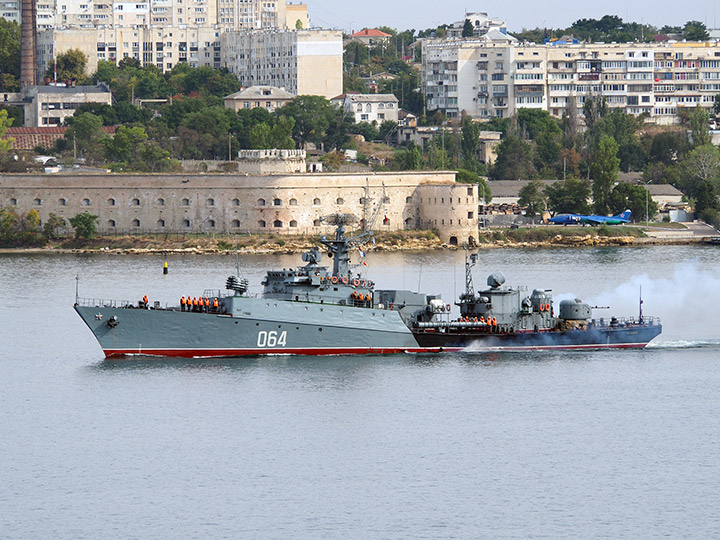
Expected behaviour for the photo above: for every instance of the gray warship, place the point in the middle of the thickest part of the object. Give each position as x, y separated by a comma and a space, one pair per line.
318, 310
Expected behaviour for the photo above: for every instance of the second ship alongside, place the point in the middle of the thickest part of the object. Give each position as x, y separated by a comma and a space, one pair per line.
315, 310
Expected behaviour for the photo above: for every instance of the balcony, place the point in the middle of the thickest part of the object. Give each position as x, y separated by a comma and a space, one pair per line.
589, 76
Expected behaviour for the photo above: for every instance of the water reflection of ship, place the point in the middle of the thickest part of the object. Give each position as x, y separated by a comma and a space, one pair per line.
316, 310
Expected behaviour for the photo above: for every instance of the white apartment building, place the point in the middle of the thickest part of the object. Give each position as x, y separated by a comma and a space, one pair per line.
304, 62
10, 10
163, 47
372, 107
480, 22
489, 78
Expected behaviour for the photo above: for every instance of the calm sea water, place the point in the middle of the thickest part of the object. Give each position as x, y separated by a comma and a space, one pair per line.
622, 444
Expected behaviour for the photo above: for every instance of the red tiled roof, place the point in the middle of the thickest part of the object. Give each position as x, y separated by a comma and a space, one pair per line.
370, 32
27, 138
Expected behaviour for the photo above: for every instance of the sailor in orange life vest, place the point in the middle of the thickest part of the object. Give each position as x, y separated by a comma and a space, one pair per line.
182, 303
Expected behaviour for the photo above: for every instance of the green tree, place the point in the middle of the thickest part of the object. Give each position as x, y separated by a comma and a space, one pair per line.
532, 198
695, 31
668, 147
569, 196
260, 136
716, 104
367, 130
312, 116
626, 196
699, 120
129, 62
514, 160
604, 169
464, 176
70, 66
9, 56
85, 225
410, 159
126, 145
468, 29
470, 144
5, 123
52, 227
85, 134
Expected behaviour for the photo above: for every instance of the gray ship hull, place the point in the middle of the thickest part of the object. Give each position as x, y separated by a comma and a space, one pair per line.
257, 327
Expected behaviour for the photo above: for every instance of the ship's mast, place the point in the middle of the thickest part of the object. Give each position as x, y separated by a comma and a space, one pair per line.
470, 260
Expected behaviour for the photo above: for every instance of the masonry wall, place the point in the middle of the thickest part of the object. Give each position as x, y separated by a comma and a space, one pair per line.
229, 203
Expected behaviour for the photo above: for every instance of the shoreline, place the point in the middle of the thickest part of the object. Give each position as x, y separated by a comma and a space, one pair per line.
412, 245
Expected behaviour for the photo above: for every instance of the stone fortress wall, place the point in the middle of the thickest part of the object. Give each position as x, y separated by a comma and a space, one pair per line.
228, 203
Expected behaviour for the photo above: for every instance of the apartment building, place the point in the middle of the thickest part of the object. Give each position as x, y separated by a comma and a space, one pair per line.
372, 107
162, 46
493, 78
301, 61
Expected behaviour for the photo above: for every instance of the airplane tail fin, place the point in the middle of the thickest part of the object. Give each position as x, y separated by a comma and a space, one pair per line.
624, 215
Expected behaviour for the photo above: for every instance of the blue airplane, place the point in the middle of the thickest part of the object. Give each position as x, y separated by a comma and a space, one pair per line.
578, 219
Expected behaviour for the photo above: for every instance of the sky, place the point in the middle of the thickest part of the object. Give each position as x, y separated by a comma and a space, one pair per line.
421, 14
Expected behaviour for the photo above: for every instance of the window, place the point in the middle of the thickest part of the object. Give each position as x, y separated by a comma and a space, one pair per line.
62, 202
13, 202
211, 202
186, 223
316, 223
293, 223
277, 202
135, 202
86, 202
340, 200
293, 202
236, 202
261, 202
111, 202
261, 224
235, 223
111, 223
316, 201
135, 222
470, 215
277, 223
408, 199
37, 202
160, 224
185, 202
211, 223
160, 202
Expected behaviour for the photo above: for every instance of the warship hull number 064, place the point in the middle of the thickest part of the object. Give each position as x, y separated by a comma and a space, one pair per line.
316, 310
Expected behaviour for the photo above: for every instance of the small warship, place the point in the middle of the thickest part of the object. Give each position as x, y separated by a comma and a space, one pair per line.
318, 310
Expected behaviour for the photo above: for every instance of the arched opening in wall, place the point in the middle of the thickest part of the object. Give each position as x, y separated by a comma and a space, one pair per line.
316, 223
316, 202
185, 202
135, 202
210, 223
293, 202
161, 202
408, 223
236, 202
262, 224
235, 224
453, 241
277, 202
362, 200
135, 222
86, 202
111, 223
38, 202
62, 202
160, 224
408, 200
277, 223
186, 223
210, 202
261, 202
340, 200
111, 201
293, 223
13, 202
